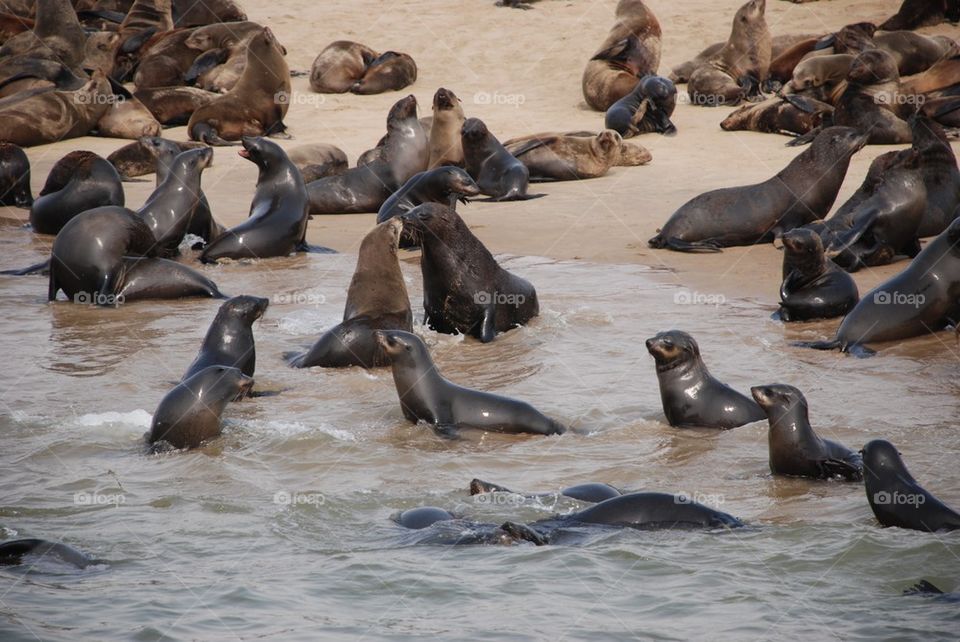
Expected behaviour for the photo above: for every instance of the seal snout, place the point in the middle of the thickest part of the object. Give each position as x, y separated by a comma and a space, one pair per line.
762, 395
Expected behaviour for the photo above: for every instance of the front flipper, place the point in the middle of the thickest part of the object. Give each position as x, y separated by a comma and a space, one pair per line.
806, 138
488, 326
840, 468
447, 431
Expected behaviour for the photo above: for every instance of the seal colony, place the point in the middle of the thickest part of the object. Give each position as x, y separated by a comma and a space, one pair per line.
108, 254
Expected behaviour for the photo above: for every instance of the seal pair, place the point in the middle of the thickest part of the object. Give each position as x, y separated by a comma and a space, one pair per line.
350, 66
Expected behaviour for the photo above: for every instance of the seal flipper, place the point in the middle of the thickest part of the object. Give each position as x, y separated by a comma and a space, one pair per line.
856, 349
204, 63
447, 431
806, 138
136, 41
303, 246
841, 468
488, 327
677, 245
509, 196
204, 133
525, 533
36, 268
923, 587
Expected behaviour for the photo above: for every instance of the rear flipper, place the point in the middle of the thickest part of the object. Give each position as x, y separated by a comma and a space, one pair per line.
314, 249
524, 533
806, 139
507, 197
677, 245
923, 587
38, 268
858, 350
840, 468
204, 133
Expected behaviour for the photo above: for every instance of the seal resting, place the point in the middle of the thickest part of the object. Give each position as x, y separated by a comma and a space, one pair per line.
630, 52
339, 66
802, 192
229, 340
426, 396
895, 496
318, 160
813, 287
136, 158
190, 414
376, 300
740, 68
464, 289
645, 109
568, 158
923, 298
795, 449
390, 71
789, 114
914, 14
691, 396
14, 176
498, 173
278, 218
78, 182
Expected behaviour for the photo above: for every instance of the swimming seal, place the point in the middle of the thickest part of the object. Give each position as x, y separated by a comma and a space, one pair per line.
795, 449
78, 182
190, 414
13, 552
802, 192
229, 341
426, 396
14, 176
691, 396
645, 109
376, 300
895, 496
464, 289
813, 287
277, 224
499, 175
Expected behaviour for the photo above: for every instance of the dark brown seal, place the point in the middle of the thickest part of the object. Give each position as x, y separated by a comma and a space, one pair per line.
14, 176
78, 182
390, 71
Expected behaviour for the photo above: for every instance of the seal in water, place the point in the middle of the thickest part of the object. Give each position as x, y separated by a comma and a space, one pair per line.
14, 176
691, 396
895, 496
13, 552
169, 210
802, 192
377, 300
464, 289
190, 414
277, 224
426, 396
78, 182
813, 287
498, 173
229, 341
795, 449
589, 492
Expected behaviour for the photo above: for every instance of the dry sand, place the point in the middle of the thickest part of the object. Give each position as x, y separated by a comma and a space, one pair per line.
520, 72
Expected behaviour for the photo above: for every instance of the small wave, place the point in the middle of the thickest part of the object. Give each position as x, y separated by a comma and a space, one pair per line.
292, 428
137, 418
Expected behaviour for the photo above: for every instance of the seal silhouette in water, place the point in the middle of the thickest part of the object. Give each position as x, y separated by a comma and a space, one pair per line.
426, 396
691, 396
895, 496
795, 449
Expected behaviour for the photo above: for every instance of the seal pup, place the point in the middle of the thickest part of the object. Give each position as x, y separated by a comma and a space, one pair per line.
464, 288
191, 413
645, 109
254, 106
788, 114
170, 208
376, 300
339, 66
895, 496
923, 298
566, 158
229, 340
691, 396
813, 286
278, 218
740, 68
425, 395
795, 449
498, 173
78, 182
802, 192
445, 185
14, 176
445, 145
390, 71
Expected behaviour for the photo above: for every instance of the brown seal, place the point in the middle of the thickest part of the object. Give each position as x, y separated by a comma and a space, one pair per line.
173, 106
256, 105
165, 60
872, 101
821, 77
376, 300
136, 159
189, 13
914, 14
448, 118
631, 51
390, 71
56, 34
780, 46
788, 114
127, 117
339, 66
739, 69
565, 158
317, 160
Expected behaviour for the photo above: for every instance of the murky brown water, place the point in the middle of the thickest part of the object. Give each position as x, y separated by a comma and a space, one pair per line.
196, 545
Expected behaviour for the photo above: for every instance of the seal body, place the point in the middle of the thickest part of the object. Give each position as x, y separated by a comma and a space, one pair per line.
426, 396
464, 289
813, 286
278, 214
12, 552
795, 449
165, 152
941, 177
802, 192
170, 209
645, 109
339, 66
229, 341
448, 119
190, 414
691, 396
498, 173
78, 182
377, 300
589, 492
564, 158
445, 185
895, 496
318, 160
390, 71
871, 101
14, 176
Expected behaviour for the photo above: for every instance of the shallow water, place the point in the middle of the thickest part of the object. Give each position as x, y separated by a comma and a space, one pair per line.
281, 527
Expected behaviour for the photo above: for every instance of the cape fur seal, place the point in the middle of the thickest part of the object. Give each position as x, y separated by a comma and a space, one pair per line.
645, 109
813, 286
78, 182
566, 158
498, 173
14, 176
445, 145
339, 66
229, 340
